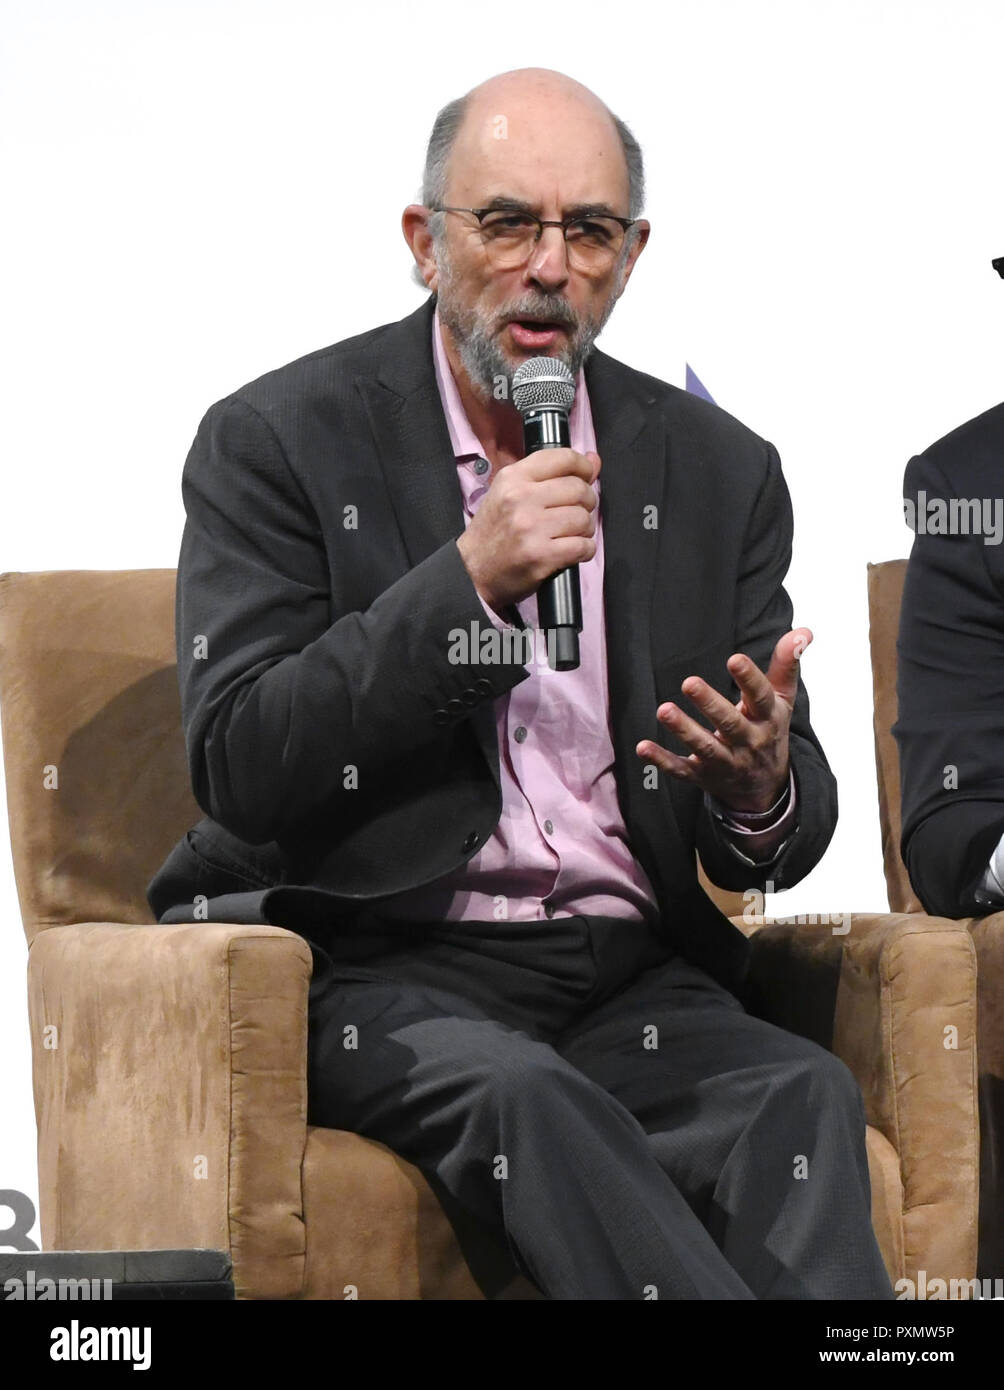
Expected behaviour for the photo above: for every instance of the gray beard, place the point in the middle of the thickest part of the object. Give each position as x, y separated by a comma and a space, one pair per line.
484, 361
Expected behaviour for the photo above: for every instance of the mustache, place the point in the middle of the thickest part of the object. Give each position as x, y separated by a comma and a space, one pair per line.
543, 307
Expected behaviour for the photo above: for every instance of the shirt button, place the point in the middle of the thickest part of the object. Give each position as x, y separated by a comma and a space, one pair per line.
481, 466
520, 734
548, 828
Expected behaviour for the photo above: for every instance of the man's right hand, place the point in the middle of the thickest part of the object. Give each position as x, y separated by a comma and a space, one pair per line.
538, 517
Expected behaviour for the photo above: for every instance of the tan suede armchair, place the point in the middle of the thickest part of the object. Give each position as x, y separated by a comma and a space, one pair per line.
885, 595
170, 1061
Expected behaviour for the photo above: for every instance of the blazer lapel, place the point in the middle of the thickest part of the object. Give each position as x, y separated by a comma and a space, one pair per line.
406, 416
632, 441
413, 442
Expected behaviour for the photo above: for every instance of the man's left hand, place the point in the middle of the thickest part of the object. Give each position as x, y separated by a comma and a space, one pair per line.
743, 760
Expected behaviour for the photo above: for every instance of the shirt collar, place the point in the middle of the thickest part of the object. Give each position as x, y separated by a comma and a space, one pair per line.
465, 442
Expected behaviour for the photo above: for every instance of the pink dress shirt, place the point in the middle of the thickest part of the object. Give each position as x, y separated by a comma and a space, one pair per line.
560, 846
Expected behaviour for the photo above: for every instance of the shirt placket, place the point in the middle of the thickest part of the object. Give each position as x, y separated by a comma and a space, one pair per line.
522, 706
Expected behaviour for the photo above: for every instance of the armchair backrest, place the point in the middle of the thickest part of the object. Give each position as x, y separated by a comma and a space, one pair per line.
885, 598
98, 788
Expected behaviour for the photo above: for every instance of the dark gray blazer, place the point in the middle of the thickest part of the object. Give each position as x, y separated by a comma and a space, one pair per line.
307, 646
951, 672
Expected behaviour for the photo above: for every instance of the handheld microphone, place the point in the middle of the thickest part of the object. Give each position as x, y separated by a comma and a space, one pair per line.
543, 390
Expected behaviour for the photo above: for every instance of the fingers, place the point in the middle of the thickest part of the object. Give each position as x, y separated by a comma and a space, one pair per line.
728, 721
783, 672
572, 550
684, 769
569, 491
742, 757
701, 741
757, 692
570, 521
559, 463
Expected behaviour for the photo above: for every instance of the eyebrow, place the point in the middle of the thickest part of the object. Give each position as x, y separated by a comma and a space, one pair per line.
504, 200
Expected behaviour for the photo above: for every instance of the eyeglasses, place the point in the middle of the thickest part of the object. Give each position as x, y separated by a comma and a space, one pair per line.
509, 236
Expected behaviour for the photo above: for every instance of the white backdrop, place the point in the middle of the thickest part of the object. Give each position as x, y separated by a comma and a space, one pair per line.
198, 192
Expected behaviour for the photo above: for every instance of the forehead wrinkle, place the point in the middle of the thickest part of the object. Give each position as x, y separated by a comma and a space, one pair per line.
583, 138
584, 183
580, 209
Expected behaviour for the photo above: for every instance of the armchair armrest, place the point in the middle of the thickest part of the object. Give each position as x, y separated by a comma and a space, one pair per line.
895, 998
988, 938
169, 1073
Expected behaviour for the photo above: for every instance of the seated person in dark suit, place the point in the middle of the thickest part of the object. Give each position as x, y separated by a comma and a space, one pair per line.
950, 728
495, 862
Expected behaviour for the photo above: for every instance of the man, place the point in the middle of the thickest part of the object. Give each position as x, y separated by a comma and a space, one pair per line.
950, 727
494, 861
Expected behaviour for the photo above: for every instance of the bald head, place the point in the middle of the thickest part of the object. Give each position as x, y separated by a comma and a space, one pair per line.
542, 122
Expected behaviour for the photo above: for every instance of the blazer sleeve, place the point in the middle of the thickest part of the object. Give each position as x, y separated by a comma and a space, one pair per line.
763, 616
279, 694
950, 724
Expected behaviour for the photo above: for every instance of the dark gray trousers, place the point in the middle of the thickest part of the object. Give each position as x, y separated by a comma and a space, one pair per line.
595, 1112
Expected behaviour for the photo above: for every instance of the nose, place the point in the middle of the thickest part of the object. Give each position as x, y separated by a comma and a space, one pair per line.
548, 263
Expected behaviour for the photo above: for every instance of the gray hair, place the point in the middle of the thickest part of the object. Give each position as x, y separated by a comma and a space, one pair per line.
445, 130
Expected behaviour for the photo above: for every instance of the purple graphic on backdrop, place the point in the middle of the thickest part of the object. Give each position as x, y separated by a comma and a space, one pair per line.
696, 386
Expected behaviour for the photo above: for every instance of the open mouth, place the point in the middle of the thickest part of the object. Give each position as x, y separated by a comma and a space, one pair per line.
534, 333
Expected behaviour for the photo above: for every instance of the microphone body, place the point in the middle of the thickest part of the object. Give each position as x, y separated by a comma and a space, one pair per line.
545, 426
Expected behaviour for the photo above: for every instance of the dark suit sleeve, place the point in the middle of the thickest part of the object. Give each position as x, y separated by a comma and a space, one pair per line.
280, 694
763, 616
950, 726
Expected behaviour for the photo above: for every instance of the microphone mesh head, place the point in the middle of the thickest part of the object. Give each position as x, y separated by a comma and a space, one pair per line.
542, 381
